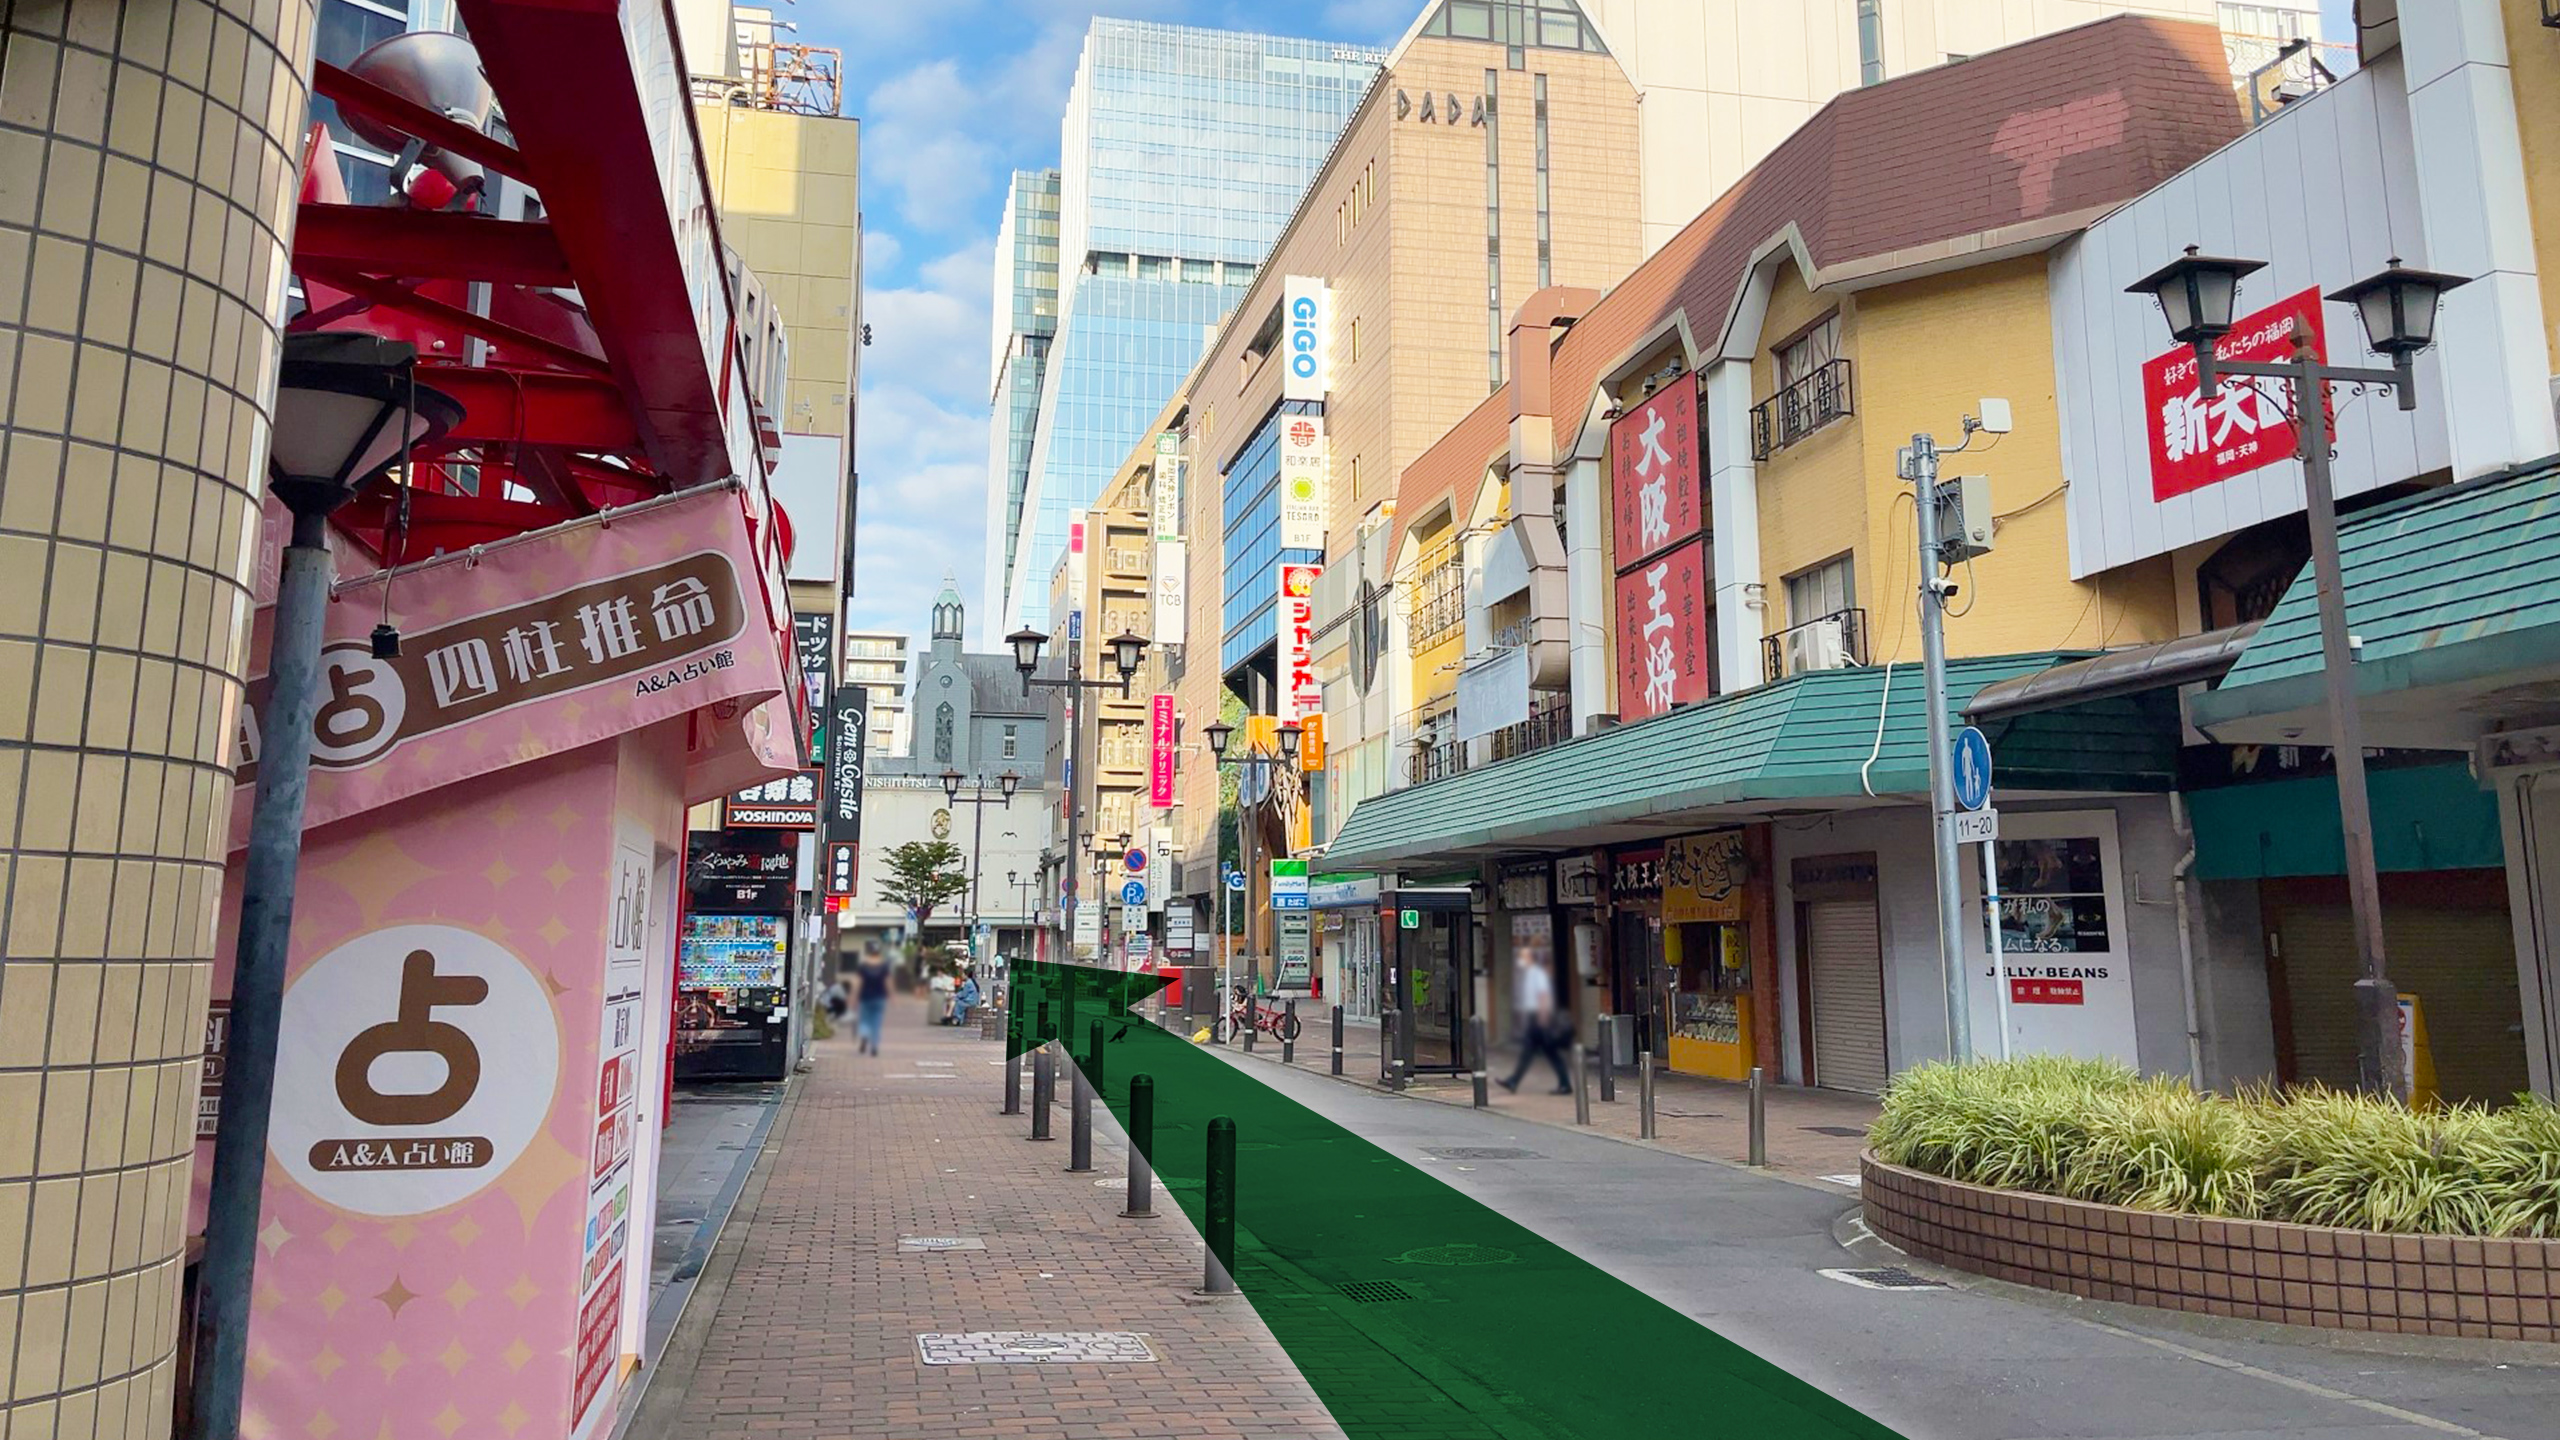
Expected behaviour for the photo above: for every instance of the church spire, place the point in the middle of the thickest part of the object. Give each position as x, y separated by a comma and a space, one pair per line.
950, 617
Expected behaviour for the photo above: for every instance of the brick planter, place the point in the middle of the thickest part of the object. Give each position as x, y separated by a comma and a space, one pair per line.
2252, 1269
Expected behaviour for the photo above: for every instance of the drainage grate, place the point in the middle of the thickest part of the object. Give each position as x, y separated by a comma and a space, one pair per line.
1481, 1152
940, 1242
1460, 1253
1843, 1131
1374, 1292
1035, 1347
1883, 1277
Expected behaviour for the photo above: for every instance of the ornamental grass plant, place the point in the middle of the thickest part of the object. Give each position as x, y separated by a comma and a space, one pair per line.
2095, 1130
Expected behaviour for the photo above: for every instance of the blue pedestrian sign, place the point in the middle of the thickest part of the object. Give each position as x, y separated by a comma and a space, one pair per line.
1134, 893
1972, 760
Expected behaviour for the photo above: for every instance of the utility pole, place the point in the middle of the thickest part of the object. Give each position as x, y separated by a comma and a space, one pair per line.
1920, 467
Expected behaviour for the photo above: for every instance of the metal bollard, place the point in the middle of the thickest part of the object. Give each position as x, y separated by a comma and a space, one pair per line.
1390, 1066
1608, 1059
1337, 1039
1759, 1119
1093, 1054
1042, 1080
1012, 1062
1476, 1057
1581, 1084
1644, 1096
1218, 1266
1079, 1120
1404, 1048
1142, 1138
1252, 1013
1289, 1032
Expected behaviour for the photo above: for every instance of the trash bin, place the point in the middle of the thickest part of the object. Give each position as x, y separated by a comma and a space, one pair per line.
1622, 1041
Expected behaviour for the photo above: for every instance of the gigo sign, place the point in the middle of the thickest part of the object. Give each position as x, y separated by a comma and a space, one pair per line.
1304, 305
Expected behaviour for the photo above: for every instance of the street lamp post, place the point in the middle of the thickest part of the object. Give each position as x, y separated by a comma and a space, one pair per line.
1260, 763
2197, 295
348, 408
1128, 653
977, 803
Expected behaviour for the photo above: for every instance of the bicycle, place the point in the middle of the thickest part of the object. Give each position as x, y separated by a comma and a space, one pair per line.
1279, 1023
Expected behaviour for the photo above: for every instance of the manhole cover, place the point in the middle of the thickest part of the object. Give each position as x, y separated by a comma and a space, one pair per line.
1035, 1347
1374, 1292
1883, 1277
1843, 1131
941, 1242
1482, 1152
1461, 1253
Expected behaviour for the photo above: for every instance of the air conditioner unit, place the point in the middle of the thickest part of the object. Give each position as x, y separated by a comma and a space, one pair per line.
1821, 645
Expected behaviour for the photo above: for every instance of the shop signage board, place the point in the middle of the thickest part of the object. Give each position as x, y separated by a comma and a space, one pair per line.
2063, 955
1289, 885
787, 803
1295, 612
1663, 622
1088, 929
1306, 335
742, 870
611, 1158
1179, 936
2198, 440
217, 1058
1165, 496
1702, 878
841, 825
1172, 587
1578, 880
1160, 742
813, 642
1654, 480
844, 869
1525, 887
1303, 465
1295, 948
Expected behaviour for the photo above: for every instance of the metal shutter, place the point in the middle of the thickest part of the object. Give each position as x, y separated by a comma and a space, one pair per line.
1848, 995
2461, 964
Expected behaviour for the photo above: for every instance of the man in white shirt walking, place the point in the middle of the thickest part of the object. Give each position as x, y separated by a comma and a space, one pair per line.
1542, 1030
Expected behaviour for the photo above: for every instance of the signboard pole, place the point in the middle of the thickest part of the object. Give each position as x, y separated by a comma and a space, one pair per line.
1999, 951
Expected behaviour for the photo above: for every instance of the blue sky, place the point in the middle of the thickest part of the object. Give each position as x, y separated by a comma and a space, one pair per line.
954, 96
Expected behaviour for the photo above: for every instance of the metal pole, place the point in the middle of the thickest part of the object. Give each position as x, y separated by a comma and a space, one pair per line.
2382, 1068
1387, 1047
257, 985
1581, 1084
1013, 1048
1404, 1047
1043, 1082
1093, 1054
1079, 1119
1921, 469
1218, 1265
1759, 1118
1070, 863
977, 861
1337, 1039
1476, 1059
1289, 1031
1608, 1059
1644, 1096
1991, 928
1142, 1138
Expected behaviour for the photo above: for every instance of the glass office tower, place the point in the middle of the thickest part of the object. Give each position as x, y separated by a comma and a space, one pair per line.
1026, 324
1183, 153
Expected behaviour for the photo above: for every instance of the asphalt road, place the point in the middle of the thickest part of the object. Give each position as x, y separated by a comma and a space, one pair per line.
1743, 1253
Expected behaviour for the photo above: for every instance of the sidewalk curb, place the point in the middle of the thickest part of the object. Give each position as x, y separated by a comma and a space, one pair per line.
653, 1413
1372, 1087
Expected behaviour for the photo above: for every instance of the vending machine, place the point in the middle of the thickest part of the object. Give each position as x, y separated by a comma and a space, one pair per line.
734, 957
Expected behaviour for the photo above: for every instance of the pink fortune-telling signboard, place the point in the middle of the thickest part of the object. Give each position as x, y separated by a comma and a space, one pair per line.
2198, 440
1662, 633
1653, 473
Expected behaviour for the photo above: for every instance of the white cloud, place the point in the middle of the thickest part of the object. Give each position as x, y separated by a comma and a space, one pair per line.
922, 509
880, 253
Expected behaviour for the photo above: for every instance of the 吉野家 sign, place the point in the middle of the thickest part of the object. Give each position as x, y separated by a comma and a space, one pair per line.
789, 803
2198, 440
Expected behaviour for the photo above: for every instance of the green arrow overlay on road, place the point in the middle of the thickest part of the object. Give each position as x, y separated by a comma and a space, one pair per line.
1416, 1312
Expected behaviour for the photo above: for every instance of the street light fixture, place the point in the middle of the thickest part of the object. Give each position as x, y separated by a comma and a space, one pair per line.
2198, 294
977, 803
348, 408
1285, 741
1127, 654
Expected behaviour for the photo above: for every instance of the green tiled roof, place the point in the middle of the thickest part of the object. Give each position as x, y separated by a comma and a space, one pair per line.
2442, 587
1802, 739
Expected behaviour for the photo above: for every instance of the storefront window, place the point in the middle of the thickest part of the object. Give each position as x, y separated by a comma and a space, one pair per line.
2053, 897
1711, 969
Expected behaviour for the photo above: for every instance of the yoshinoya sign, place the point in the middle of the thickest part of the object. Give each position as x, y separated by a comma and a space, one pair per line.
2198, 440
790, 803
1303, 466
1306, 322
1295, 612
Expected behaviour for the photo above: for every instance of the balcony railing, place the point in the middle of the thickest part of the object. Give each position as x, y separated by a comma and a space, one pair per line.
1826, 642
1795, 412
1439, 601
1550, 722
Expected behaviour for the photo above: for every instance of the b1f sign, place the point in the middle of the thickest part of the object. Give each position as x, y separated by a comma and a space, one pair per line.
1306, 322
2199, 440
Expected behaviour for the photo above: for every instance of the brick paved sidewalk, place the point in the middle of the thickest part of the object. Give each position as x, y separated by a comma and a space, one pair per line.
815, 1334
1706, 1119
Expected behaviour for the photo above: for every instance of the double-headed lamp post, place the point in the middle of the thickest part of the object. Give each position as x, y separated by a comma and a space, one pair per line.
2197, 294
1128, 654
977, 803
1255, 760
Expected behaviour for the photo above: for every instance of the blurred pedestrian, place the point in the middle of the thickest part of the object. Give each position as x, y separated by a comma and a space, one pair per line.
871, 999
965, 998
1542, 1030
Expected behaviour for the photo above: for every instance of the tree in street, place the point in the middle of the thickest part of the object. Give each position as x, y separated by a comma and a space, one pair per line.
922, 875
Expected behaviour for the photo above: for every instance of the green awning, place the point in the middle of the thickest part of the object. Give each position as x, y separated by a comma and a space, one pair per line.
1799, 744
2425, 817
2453, 594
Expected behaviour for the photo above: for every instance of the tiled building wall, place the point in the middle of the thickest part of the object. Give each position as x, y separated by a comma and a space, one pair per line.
146, 183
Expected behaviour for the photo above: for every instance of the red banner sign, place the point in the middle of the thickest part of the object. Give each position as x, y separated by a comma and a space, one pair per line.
1160, 729
1300, 695
1654, 473
1662, 633
2198, 440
